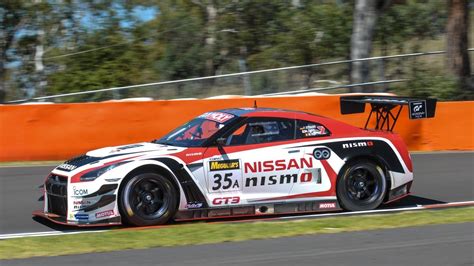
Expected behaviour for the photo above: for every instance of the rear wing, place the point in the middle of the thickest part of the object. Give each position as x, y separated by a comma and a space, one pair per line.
385, 108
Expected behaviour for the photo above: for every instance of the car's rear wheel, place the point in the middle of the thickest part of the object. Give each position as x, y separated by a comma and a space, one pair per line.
361, 186
148, 199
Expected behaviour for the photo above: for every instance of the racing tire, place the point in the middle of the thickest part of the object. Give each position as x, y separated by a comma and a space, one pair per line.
148, 199
361, 186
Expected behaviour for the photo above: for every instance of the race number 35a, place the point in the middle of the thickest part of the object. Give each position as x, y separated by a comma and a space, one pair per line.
225, 183
224, 176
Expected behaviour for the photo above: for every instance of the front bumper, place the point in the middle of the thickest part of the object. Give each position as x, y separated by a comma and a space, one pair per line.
79, 204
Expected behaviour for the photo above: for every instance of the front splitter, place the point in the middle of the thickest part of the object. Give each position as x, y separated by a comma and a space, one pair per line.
62, 220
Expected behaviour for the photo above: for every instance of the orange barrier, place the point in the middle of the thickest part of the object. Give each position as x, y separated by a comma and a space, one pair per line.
59, 131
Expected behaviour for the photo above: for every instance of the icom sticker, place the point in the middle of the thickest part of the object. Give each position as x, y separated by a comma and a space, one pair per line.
417, 109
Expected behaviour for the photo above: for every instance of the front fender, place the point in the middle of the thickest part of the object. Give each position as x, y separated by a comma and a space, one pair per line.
128, 168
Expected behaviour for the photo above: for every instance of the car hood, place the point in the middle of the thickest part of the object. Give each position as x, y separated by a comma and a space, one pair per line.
137, 148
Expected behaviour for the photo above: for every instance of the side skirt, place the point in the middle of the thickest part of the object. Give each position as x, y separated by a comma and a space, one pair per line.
399, 192
259, 210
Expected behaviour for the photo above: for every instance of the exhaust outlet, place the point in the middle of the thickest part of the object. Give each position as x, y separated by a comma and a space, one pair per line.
264, 209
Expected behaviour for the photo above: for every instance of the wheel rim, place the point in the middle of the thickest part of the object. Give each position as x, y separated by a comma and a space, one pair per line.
363, 186
149, 198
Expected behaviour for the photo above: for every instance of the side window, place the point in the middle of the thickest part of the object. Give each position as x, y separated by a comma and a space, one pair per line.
262, 130
306, 129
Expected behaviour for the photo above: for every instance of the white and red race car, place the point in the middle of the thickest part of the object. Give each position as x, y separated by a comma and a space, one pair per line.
240, 162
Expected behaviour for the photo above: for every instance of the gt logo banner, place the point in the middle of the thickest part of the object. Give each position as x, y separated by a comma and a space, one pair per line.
417, 109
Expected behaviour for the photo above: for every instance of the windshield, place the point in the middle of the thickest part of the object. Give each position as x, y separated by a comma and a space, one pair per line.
197, 131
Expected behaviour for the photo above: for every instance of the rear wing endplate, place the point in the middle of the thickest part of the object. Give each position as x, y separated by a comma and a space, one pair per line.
385, 108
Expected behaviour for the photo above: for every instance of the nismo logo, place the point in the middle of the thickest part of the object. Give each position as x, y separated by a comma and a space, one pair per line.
224, 165
357, 144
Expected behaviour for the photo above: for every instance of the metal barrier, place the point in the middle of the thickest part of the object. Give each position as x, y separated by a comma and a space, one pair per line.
267, 82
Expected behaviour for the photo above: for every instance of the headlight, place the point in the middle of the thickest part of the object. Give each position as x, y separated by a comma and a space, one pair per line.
93, 175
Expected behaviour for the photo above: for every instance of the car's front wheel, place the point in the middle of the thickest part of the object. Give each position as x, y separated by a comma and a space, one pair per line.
361, 186
148, 199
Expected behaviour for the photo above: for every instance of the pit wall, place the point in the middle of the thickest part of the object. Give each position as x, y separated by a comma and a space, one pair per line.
60, 131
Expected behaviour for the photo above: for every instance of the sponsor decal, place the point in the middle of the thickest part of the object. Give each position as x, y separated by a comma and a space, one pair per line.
417, 109
313, 130
82, 202
79, 191
224, 175
224, 165
321, 153
79, 204
81, 216
104, 214
357, 144
327, 205
194, 205
194, 154
278, 165
66, 167
226, 200
283, 179
217, 116
310, 174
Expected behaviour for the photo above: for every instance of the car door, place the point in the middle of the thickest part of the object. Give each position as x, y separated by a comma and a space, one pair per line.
317, 176
252, 162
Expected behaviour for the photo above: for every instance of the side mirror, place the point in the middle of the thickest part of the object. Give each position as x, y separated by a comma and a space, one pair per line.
220, 141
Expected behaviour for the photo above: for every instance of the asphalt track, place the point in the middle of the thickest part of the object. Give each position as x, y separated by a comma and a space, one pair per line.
449, 244
439, 178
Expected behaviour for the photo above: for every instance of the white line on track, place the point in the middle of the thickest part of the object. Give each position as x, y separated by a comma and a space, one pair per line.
48, 233
299, 217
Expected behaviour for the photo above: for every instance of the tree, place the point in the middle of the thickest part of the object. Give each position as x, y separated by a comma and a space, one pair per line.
12, 17
457, 43
366, 13
29, 30
114, 57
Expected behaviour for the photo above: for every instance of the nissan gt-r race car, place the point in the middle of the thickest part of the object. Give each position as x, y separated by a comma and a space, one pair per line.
241, 162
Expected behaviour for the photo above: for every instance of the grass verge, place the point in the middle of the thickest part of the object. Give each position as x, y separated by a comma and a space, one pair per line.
207, 233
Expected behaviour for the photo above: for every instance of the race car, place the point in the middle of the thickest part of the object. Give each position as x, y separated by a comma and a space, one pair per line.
241, 162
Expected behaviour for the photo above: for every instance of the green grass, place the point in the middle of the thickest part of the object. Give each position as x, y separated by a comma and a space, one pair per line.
207, 233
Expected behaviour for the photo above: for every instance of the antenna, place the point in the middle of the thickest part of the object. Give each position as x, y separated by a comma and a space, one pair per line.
255, 104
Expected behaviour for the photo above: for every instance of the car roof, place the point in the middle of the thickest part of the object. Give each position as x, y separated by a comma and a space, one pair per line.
250, 111
334, 125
